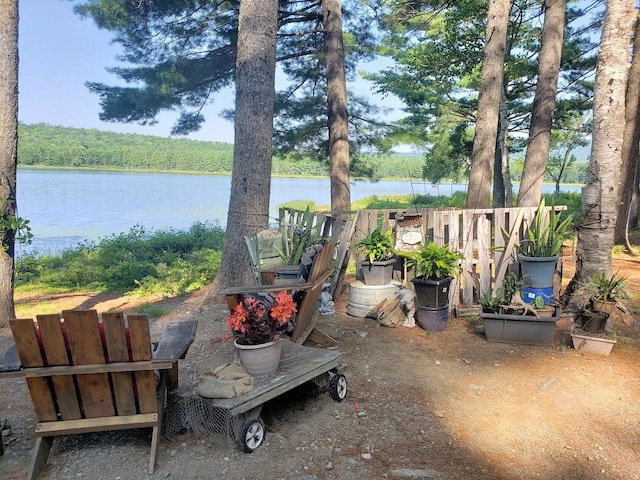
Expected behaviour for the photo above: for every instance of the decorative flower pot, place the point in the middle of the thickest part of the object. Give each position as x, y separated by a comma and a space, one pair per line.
538, 271
260, 360
432, 293
380, 272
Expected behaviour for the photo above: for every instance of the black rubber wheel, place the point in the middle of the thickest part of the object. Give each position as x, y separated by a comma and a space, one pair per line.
338, 387
252, 434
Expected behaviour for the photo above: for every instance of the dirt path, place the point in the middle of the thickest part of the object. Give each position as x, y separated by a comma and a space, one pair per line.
445, 405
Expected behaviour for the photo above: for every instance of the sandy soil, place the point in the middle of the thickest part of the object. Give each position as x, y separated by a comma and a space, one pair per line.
439, 405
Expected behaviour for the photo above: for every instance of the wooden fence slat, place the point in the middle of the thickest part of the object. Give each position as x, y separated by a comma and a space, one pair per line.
483, 266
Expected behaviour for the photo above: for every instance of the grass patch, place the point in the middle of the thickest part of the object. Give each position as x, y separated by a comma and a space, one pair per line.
141, 262
151, 310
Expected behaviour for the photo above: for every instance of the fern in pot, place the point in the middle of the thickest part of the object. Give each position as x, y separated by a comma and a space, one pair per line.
434, 268
380, 257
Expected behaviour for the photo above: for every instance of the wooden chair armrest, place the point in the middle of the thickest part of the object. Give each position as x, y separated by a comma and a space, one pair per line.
116, 367
176, 339
266, 288
10, 360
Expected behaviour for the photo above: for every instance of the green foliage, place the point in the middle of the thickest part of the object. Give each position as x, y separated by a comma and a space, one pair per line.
541, 240
301, 239
20, 228
490, 304
433, 262
377, 246
142, 262
607, 288
538, 302
509, 286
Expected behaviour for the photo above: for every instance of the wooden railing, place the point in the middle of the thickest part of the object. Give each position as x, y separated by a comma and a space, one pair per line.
477, 234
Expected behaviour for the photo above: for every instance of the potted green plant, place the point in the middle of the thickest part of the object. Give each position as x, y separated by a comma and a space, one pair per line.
538, 252
434, 268
378, 248
606, 290
490, 304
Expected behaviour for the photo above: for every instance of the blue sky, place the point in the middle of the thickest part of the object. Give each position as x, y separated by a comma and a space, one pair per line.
59, 52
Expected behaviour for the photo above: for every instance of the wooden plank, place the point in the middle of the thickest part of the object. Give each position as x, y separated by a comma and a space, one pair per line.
141, 350
55, 350
85, 345
467, 251
101, 424
24, 334
483, 265
176, 339
117, 351
97, 368
344, 252
506, 254
454, 243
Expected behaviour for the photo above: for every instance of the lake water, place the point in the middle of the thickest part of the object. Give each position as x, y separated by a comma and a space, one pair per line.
65, 206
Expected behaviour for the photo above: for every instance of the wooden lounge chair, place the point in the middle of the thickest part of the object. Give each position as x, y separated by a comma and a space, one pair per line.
306, 328
90, 375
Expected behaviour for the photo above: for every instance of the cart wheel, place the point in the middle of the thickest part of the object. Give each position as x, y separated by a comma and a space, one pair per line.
252, 434
338, 387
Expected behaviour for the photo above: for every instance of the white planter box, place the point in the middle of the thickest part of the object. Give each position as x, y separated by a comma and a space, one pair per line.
597, 345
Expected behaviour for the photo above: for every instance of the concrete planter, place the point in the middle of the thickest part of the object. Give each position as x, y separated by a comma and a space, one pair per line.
380, 272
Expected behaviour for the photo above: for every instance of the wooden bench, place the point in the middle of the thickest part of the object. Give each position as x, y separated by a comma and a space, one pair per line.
87, 374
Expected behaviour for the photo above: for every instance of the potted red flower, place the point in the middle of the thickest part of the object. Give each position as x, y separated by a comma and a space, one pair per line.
258, 326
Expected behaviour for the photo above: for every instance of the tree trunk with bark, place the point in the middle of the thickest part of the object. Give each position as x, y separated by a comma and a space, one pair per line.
8, 151
544, 103
251, 175
630, 150
484, 143
338, 120
597, 226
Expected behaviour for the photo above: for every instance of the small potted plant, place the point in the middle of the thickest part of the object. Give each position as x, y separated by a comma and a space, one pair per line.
606, 290
377, 247
258, 323
490, 304
538, 252
590, 335
434, 268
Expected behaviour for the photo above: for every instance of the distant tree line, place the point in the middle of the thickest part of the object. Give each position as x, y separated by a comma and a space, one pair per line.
53, 146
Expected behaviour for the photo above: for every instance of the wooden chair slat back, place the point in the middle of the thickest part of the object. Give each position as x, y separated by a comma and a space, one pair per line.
56, 354
24, 334
117, 351
86, 348
141, 350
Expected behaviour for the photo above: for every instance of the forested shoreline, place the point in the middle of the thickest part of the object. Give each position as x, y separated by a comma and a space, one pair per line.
44, 145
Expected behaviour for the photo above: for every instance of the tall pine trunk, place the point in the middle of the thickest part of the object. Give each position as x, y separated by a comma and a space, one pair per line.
597, 226
630, 150
338, 120
484, 143
251, 175
535, 162
8, 150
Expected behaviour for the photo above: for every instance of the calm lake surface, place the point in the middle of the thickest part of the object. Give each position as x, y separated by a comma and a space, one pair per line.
66, 207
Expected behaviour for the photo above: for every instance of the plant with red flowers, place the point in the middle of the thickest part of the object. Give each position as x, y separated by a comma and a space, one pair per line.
252, 322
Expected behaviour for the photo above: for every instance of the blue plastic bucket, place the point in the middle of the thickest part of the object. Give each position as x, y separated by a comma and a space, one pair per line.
529, 294
434, 319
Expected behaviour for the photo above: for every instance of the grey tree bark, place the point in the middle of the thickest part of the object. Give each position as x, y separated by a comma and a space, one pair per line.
597, 226
630, 150
338, 119
484, 143
544, 103
251, 175
8, 150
